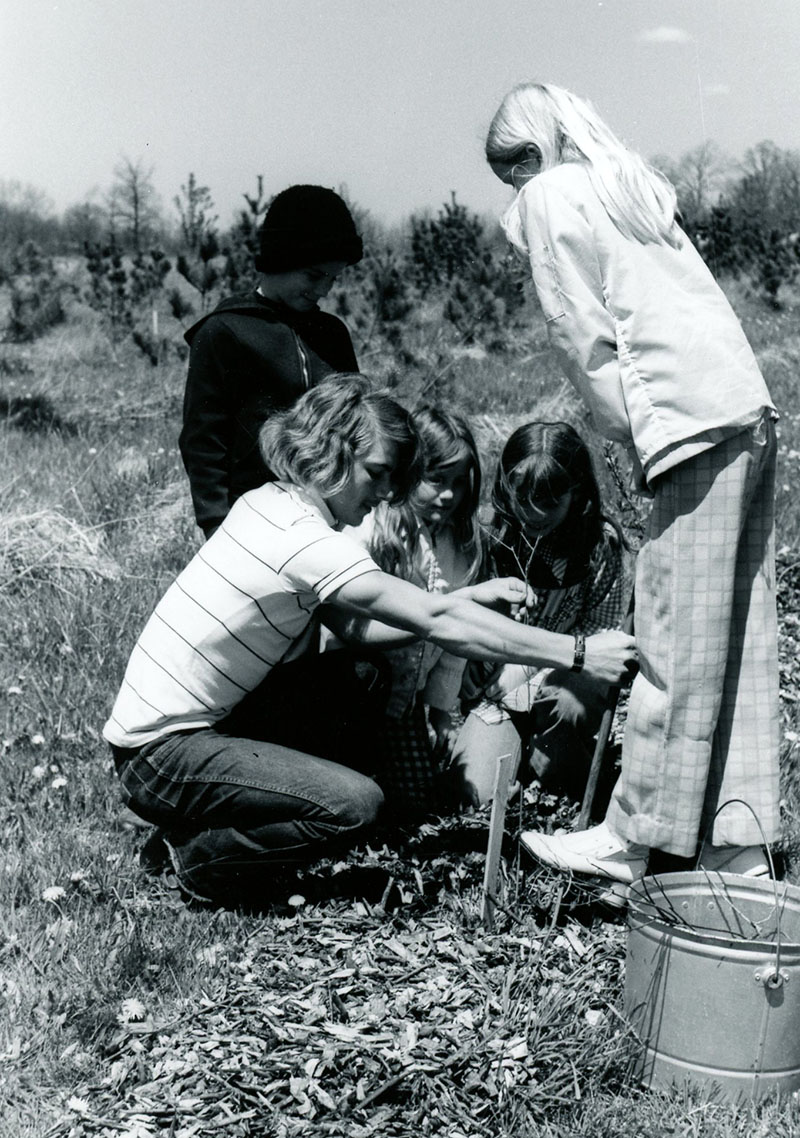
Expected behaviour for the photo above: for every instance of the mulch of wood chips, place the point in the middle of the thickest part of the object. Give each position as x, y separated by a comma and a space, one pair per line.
375, 1002
372, 1001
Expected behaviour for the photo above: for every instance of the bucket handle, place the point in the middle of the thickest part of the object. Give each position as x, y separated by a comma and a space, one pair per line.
775, 977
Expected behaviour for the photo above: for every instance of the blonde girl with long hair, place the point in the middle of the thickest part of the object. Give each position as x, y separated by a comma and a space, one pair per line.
652, 345
433, 540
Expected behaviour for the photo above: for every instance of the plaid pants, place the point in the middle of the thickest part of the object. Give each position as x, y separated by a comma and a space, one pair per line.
703, 719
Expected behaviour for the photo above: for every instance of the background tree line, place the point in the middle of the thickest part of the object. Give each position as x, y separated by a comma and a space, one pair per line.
744, 217
136, 263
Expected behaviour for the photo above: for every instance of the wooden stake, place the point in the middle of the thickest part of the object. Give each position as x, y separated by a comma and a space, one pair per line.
602, 740
506, 768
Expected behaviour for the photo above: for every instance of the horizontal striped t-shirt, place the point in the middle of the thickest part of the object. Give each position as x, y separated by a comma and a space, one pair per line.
233, 613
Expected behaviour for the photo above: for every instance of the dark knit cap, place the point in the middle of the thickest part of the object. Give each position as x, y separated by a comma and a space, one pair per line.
306, 225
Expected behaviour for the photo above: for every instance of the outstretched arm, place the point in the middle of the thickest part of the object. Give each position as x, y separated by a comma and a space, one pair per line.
354, 629
461, 626
497, 594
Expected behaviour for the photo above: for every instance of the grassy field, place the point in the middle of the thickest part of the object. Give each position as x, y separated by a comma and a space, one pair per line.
374, 1002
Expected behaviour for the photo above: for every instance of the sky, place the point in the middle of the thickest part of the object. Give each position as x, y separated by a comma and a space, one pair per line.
389, 99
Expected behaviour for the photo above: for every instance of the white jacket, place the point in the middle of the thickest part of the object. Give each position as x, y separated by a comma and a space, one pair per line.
647, 336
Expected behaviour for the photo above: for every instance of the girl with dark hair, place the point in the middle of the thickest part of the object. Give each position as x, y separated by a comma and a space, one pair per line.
546, 487
549, 528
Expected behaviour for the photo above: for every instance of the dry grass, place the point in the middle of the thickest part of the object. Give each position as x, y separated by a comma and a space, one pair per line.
47, 544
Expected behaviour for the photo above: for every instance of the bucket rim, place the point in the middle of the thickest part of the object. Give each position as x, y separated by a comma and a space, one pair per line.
643, 909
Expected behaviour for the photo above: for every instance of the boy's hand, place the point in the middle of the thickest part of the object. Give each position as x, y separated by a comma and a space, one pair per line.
611, 657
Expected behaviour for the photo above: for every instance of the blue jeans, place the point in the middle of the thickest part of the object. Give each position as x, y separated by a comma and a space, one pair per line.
556, 738
237, 799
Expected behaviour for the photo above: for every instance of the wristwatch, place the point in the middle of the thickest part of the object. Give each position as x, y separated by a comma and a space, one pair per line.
580, 653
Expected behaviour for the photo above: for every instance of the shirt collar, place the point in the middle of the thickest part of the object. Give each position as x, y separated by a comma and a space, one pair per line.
313, 499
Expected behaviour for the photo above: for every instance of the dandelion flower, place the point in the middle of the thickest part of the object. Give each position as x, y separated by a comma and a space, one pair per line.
37, 740
79, 1105
132, 1011
14, 690
57, 783
54, 894
38, 772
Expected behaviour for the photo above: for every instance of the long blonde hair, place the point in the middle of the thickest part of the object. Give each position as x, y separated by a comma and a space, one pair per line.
563, 128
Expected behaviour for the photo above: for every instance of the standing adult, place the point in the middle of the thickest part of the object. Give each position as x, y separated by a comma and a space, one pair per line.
652, 345
257, 352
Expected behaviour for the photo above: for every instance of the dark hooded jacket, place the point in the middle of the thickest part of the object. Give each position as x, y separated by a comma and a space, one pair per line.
248, 358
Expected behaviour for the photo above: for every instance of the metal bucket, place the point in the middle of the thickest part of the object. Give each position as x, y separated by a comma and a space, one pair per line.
712, 982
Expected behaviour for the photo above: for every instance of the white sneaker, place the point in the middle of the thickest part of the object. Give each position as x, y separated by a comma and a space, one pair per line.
597, 851
749, 861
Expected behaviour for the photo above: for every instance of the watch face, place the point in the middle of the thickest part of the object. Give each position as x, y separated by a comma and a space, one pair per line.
580, 652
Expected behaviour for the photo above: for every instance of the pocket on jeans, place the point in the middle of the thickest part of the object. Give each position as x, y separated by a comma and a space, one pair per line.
548, 285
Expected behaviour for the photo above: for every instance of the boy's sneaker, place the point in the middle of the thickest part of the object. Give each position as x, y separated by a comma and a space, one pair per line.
749, 861
597, 852
128, 819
